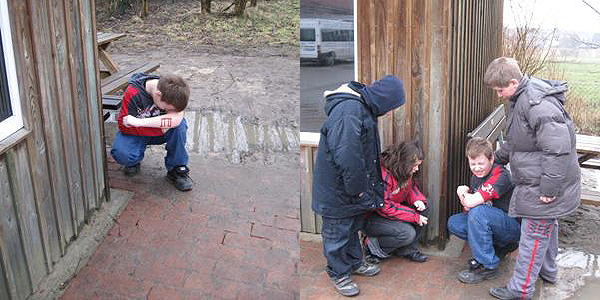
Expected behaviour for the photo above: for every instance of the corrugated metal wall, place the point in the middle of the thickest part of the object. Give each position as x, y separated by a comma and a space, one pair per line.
440, 49
476, 39
52, 172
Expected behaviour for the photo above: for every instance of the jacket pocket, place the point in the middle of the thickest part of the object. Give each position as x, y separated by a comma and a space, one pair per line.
526, 168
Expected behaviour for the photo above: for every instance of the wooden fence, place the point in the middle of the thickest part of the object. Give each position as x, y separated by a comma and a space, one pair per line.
53, 171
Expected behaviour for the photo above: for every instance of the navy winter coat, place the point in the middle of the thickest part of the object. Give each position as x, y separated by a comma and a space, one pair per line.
348, 156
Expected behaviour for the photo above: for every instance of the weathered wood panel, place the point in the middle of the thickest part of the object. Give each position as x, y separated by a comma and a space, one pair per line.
13, 258
52, 177
21, 185
81, 103
3, 286
51, 120
28, 90
64, 98
88, 35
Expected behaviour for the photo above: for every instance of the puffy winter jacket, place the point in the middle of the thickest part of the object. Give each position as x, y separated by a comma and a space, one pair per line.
347, 163
540, 146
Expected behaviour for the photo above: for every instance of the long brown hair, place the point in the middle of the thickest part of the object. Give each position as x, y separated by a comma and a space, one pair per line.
400, 158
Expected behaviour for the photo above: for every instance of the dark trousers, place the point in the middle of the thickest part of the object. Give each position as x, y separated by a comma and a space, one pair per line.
394, 235
341, 245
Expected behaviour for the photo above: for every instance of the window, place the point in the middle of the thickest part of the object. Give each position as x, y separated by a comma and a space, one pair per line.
307, 35
10, 107
337, 35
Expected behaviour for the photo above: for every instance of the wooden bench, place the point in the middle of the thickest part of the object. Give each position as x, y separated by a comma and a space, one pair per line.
116, 82
491, 127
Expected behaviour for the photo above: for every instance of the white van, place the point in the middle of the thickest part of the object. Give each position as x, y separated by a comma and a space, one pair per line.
326, 40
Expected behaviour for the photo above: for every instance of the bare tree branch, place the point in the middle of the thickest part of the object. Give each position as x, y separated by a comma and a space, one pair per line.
594, 9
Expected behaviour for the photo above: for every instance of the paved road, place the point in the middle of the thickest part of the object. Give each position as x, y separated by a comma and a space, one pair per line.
314, 80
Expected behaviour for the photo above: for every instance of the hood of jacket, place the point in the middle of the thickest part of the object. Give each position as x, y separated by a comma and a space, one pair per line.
139, 81
537, 89
381, 97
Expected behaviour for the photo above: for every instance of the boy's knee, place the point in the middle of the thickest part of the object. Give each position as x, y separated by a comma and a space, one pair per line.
126, 157
405, 235
478, 214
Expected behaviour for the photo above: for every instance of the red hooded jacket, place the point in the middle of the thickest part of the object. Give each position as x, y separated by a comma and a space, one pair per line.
399, 205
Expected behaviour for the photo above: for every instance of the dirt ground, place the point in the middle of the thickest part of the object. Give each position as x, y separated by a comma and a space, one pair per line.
579, 230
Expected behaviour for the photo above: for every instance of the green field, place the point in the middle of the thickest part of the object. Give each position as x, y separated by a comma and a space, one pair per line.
583, 98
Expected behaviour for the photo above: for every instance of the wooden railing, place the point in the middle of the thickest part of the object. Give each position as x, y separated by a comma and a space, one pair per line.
309, 142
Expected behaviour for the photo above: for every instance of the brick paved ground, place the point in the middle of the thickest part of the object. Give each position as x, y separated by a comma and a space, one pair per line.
400, 278
235, 236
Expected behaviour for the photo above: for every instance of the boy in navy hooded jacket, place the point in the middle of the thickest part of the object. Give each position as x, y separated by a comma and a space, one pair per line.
347, 178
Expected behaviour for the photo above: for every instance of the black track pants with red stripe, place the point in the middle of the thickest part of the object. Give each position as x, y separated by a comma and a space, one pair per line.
538, 248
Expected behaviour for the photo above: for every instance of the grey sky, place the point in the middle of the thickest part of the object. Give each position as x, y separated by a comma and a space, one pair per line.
572, 15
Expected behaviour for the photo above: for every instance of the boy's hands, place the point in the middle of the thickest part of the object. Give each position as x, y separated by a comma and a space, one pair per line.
461, 191
130, 121
422, 220
420, 205
547, 199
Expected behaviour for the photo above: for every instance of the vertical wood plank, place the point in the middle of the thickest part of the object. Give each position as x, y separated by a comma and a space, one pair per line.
13, 258
306, 179
83, 111
67, 126
87, 191
53, 136
22, 187
103, 158
3, 285
91, 71
28, 89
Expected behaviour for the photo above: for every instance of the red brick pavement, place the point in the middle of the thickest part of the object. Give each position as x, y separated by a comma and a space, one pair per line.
400, 278
234, 236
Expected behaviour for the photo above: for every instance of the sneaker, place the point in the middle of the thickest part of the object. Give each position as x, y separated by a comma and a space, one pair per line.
501, 252
345, 286
367, 269
131, 170
478, 275
179, 176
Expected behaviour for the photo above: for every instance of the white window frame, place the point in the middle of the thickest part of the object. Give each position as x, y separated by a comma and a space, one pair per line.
15, 122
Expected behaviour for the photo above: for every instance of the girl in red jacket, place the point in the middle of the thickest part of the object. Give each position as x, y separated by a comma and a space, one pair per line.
396, 228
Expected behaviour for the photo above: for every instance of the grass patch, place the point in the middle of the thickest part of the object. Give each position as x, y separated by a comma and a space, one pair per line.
181, 22
583, 97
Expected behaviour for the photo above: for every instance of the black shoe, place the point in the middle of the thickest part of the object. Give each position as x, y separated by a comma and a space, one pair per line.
416, 256
501, 252
473, 264
504, 294
180, 178
478, 275
131, 170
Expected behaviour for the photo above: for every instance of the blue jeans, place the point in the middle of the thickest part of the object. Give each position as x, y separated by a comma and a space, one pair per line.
341, 245
483, 227
128, 150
